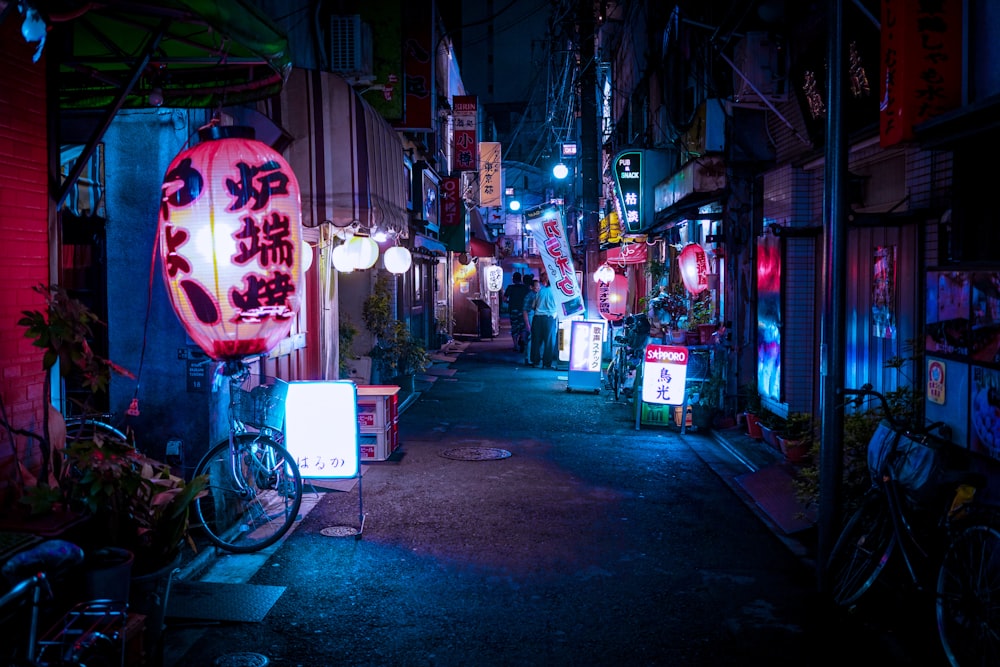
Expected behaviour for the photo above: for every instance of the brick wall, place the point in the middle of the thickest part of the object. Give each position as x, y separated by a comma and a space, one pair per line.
24, 215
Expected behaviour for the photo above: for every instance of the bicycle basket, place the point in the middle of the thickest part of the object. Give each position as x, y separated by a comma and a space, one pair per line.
914, 465
262, 406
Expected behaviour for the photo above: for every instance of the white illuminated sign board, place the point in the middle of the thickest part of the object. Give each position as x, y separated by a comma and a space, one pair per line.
628, 188
586, 341
664, 374
321, 428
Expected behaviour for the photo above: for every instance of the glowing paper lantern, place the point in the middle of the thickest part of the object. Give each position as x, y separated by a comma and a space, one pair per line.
494, 278
693, 264
363, 252
604, 274
230, 216
397, 259
342, 260
612, 298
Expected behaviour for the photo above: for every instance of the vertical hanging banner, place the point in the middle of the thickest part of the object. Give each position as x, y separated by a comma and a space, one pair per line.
465, 157
490, 176
545, 224
418, 66
921, 64
454, 233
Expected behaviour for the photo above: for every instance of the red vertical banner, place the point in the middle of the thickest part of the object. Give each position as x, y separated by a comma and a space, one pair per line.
465, 156
418, 66
453, 228
921, 64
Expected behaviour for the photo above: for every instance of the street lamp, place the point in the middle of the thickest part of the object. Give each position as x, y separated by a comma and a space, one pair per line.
560, 171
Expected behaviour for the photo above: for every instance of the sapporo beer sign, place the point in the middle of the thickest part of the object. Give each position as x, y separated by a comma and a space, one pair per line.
664, 374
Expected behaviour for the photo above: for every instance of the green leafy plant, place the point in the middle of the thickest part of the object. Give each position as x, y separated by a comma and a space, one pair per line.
134, 502
860, 423
396, 352
346, 335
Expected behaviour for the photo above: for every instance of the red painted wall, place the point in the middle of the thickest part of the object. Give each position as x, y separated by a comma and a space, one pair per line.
24, 239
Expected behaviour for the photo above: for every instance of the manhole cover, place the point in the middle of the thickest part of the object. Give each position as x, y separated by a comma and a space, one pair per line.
241, 660
339, 531
475, 453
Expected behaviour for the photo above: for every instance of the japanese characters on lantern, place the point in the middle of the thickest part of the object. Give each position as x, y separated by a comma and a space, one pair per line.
229, 224
693, 264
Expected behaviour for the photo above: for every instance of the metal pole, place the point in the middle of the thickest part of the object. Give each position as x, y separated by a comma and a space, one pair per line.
832, 356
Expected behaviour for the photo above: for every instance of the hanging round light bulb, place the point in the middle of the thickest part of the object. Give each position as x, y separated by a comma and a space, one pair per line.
363, 252
307, 256
397, 259
604, 274
342, 259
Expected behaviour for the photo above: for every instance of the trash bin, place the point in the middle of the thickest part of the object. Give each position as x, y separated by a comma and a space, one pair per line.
485, 319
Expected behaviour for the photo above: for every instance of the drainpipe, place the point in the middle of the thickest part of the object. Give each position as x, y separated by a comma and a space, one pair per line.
832, 357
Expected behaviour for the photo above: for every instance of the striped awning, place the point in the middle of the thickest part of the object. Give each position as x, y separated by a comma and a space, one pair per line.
348, 159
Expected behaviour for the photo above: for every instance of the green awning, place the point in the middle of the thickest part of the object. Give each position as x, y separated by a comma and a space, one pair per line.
198, 53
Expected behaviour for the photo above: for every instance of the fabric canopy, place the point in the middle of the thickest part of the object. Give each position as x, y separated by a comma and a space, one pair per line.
198, 53
348, 159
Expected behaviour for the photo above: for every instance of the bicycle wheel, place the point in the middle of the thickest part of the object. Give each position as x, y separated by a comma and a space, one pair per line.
251, 504
862, 550
85, 429
968, 598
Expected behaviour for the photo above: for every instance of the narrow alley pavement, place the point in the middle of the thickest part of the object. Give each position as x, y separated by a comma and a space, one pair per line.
521, 523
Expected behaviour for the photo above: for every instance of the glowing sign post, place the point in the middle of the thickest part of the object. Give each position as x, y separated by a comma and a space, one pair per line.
586, 348
664, 374
321, 428
230, 215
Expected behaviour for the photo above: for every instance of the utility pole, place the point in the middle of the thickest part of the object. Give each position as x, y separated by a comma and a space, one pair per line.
589, 160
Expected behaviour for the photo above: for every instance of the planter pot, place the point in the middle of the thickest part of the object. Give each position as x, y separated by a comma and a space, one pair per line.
677, 415
701, 417
794, 450
107, 573
769, 435
753, 426
705, 332
692, 337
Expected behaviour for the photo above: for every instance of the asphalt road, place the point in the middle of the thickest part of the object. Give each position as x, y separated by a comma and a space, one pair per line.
592, 544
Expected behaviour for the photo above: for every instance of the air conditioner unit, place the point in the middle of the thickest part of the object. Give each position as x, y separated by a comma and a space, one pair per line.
761, 64
351, 48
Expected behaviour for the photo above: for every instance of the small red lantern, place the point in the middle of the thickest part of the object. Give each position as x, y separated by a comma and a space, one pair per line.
612, 298
693, 264
230, 219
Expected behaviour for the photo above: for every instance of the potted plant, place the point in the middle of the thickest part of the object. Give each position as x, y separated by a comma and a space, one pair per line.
752, 410
131, 501
397, 355
796, 437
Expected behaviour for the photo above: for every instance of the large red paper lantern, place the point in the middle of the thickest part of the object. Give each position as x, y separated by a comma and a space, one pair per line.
230, 219
693, 264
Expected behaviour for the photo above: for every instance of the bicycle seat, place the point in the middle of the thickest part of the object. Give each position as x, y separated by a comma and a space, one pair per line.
52, 557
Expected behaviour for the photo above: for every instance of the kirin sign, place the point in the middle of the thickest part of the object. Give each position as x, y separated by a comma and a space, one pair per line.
229, 220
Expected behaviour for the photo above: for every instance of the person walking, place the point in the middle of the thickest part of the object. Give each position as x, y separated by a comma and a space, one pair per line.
529, 312
544, 326
514, 296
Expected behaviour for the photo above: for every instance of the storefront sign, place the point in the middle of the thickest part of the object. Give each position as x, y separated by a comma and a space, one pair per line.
628, 188
466, 154
921, 64
612, 298
936, 381
545, 224
322, 452
490, 175
664, 374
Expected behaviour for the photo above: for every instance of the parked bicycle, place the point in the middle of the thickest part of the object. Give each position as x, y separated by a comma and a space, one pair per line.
626, 356
89, 633
254, 486
921, 507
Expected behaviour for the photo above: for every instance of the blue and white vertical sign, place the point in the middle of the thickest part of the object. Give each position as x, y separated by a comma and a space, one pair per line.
321, 428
